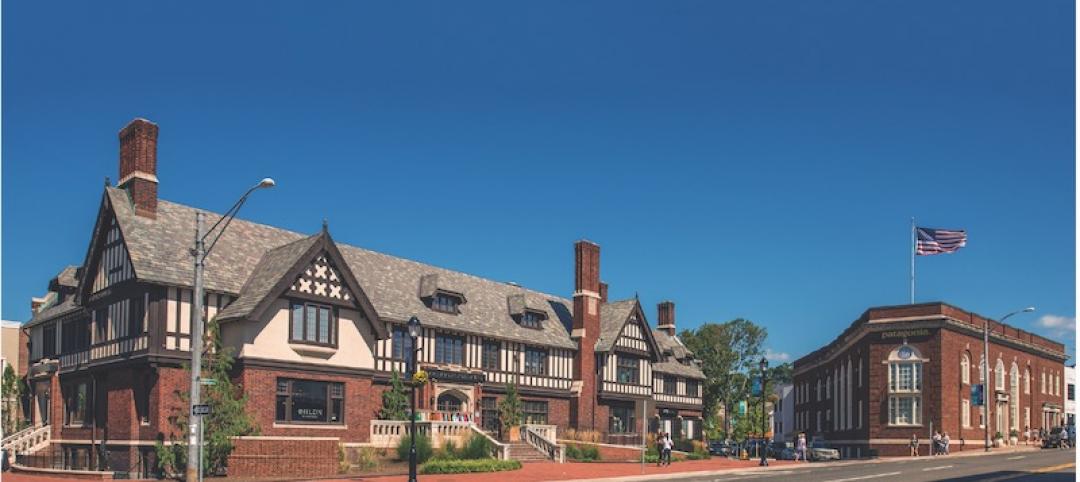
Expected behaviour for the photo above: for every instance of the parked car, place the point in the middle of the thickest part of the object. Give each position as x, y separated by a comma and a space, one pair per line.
721, 448
787, 454
777, 448
1054, 438
820, 452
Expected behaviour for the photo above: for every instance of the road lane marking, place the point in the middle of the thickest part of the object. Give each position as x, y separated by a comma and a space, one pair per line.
1018, 457
1053, 468
937, 468
862, 477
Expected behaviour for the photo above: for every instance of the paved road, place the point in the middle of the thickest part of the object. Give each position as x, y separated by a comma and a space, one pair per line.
1043, 466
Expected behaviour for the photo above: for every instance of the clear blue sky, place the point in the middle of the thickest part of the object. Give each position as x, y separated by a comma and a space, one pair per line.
754, 159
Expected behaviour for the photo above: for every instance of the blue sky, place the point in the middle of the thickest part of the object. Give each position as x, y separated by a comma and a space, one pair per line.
756, 159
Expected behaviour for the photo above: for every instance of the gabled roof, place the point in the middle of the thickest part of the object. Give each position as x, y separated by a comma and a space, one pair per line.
67, 277
614, 317
271, 270
159, 251
673, 352
55, 311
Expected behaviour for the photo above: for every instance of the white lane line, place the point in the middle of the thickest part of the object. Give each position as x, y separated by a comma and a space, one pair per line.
1018, 457
937, 468
862, 477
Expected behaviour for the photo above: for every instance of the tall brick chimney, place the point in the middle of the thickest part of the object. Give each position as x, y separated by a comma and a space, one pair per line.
586, 329
666, 317
138, 165
603, 292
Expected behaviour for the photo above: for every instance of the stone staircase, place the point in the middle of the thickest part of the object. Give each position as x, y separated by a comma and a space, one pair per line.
26, 441
523, 452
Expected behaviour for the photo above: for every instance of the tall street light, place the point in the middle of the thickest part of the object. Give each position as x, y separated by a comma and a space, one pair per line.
200, 252
414, 334
764, 365
986, 370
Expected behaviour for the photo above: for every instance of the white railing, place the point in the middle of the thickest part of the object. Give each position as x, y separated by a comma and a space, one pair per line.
549, 432
387, 433
118, 347
548, 446
69, 360
499, 450
27, 440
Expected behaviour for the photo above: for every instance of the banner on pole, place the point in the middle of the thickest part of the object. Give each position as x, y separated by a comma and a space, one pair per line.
755, 387
977, 395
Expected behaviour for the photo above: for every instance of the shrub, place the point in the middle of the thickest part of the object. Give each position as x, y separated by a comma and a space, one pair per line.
449, 451
367, 458
684, 445
475, 448
583, 435
423, 448
586, 453
590, 452
572, 452
465, 466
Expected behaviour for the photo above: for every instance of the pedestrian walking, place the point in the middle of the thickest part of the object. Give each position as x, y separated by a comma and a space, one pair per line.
667, 449
935, 443
914, 445
945, 443
1027, 435
659, 449
800, 448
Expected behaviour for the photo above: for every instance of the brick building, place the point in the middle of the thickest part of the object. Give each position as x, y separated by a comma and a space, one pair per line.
900, 370
318, 327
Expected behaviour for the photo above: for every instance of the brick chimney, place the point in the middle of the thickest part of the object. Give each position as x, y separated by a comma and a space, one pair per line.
603, 292
666, 317
586, 329
138, 165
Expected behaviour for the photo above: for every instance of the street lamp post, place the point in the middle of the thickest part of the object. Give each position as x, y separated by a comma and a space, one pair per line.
764, 365
986, 371
414, 334
200, 252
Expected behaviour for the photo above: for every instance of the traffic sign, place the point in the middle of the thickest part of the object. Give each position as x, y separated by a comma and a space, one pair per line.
200, 409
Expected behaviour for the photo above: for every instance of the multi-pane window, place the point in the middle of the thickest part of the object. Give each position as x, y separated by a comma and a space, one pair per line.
535, 361
448, 403
1027, 381
535, 412
489, 414
401, 344
75, 336
692, 388
449, 349
307, 401
965, 413
531, 319
999, 376
101, 325
627, 369
490, 359
671, 386
965, 369
76, 401
48, 342
622, 419
1070, 391
136, 314
312, 323
905, 387
445, 303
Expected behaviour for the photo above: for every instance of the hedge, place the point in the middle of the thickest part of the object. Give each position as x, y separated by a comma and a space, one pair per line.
464, 466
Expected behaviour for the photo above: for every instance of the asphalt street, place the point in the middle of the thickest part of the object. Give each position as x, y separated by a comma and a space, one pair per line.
1043, 466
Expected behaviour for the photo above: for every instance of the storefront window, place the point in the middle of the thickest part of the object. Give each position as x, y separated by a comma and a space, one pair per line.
306, 401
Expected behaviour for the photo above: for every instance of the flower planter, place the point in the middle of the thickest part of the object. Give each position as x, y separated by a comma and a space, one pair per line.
514, 434
1014, 440
998, 442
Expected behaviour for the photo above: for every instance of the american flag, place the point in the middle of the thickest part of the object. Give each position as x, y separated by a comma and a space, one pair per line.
936, 241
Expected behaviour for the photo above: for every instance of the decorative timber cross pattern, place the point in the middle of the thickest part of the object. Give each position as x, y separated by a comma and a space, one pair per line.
322, 279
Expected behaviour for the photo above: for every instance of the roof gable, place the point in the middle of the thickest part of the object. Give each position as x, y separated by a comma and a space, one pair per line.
108, 259
616, 317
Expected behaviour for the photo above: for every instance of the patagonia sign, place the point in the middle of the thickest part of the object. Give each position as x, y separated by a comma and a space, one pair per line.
905, 333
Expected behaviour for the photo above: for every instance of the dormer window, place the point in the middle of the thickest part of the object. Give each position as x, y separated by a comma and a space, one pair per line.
446, 303
531, 319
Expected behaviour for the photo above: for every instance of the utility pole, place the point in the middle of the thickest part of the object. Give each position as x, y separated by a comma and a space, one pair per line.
194, 463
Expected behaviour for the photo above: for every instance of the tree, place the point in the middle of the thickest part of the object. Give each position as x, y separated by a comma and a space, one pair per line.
510, 408
228, 417
395, 401
728, 353
10, 392
781, 374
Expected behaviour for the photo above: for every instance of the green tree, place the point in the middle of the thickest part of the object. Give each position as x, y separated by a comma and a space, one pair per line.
10, 391
781, 374
395, 401
228, 417
510, 408
729, 352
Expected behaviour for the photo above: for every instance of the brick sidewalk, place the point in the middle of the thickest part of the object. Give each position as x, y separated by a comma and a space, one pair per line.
541, 471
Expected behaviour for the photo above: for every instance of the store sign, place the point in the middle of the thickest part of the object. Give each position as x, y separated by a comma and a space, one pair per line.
905, 333
458, 377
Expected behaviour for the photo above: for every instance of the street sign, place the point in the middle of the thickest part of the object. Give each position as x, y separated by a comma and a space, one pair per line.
977, 395
200, 409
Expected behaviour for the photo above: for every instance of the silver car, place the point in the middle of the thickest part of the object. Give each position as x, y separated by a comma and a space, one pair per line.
819, 452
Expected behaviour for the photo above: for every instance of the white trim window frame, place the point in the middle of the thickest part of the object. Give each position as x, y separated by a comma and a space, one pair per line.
905, 388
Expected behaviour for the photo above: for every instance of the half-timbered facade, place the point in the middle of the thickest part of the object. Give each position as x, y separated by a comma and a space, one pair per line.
317, 329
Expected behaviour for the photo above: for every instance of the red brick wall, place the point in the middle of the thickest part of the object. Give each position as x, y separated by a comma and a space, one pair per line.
268, 457
362, 402
584, 411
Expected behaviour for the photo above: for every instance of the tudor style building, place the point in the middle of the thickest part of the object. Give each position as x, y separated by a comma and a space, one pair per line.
317, 328
903, 370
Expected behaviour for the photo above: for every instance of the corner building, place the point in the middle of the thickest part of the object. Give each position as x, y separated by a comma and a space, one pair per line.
318, 327
903, 370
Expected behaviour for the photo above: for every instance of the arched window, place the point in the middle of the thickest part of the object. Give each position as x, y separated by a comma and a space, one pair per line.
999, 375
1014, 397
1027, 380
965, 369
905, 386
447, 402
982, 369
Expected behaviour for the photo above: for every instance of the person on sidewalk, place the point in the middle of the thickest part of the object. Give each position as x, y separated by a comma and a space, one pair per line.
945, 443
660, 449
800, 448
1027, 435
667, 449
935, 443
914, 445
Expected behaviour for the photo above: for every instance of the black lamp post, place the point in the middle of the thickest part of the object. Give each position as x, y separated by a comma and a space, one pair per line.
414, 333
764, 365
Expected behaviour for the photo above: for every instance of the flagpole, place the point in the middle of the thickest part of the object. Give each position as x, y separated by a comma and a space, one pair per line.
913, 260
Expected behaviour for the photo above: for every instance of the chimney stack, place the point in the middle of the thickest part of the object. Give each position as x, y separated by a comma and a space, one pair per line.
138, 165
603, 292
666, 317
586, 330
